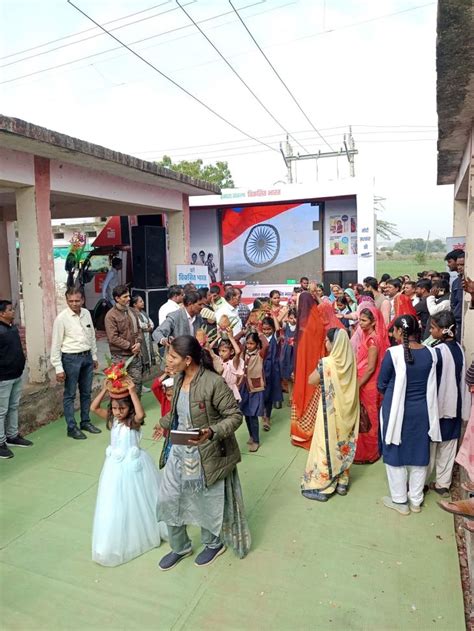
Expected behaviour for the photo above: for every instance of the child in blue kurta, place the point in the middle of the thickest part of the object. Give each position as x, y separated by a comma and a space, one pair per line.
287, 351
252, 387
271, 368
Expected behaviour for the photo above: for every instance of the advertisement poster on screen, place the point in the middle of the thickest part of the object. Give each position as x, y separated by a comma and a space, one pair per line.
340, 232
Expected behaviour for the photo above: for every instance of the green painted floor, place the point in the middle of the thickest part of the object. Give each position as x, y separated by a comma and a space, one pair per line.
346, 564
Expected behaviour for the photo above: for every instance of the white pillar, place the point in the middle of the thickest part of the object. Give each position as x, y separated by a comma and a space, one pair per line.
178, 225
8, 265
37, 269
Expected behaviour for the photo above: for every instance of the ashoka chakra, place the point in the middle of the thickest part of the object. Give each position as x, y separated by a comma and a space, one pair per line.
262, 245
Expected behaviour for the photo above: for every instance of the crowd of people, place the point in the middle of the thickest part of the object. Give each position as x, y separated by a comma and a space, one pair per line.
371, 371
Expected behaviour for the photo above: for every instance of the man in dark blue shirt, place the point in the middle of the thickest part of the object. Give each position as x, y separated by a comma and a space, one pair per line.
12, 363
457, 295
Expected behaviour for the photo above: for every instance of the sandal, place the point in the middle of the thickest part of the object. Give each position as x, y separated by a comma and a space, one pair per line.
313, 494
440, 490
463, 508
468, 525
468, 487
266, 425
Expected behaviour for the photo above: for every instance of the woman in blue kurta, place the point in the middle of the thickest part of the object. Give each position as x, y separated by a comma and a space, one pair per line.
271, 368
453, 399
410, 417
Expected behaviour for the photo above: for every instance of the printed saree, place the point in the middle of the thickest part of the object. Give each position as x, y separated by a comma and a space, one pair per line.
337, 424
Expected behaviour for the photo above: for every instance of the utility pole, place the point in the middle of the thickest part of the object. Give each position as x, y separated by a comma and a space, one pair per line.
349, 151
427, 242
287, 153
349, 146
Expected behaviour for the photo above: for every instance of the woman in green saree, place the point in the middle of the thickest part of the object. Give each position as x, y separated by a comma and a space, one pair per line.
337, 423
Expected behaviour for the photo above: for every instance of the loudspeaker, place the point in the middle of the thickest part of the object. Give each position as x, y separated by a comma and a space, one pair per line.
149, 257
343, 279
150, 220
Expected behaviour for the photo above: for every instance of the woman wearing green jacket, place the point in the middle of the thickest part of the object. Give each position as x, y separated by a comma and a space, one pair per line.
200, 484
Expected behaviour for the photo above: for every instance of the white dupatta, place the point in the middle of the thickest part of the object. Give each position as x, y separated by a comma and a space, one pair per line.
397, 410
448, 387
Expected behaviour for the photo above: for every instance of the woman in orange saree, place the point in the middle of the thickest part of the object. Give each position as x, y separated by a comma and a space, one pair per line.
313, 321
370, 343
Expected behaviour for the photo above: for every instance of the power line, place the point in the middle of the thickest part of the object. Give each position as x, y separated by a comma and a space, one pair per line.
58, 66
227, 62
277, 74
87, 30
302, 131
175, 83
85, 39
361, 22
138, 41
212, 155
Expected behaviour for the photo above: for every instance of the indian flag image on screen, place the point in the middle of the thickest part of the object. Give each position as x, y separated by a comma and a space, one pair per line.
256, 238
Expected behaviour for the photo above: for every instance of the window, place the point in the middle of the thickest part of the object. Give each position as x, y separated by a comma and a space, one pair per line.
91, 233
58, 235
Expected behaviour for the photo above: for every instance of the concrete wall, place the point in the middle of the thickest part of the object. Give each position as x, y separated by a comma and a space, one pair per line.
463, 225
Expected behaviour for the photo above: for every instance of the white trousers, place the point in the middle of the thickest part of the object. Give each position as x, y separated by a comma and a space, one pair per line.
442, 457
402, 478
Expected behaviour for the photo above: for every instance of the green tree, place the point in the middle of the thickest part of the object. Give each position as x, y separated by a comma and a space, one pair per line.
436, 246
218, 173
411, 246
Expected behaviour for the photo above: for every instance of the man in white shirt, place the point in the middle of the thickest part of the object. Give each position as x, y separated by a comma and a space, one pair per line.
74, 358
229, 307
174, 302
111, 281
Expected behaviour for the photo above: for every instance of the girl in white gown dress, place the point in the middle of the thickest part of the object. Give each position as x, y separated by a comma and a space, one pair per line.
125, 523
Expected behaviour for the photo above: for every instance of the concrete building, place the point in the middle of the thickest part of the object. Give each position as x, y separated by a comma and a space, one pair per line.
455, 105
45, 175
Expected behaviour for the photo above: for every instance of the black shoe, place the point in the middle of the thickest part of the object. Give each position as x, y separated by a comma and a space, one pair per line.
170, 560
76, 433
209, 555
5, 452
19, 441
88, 427
277, 405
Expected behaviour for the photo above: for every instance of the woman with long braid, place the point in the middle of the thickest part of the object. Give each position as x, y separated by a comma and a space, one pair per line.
410, 415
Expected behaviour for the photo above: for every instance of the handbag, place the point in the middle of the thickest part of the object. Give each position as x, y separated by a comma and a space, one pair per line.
365, 424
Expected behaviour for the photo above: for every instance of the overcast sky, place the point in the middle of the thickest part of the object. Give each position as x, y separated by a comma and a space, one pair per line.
369, 64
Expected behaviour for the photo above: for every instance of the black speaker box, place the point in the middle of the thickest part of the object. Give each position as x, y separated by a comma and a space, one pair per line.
149, 257
343, 279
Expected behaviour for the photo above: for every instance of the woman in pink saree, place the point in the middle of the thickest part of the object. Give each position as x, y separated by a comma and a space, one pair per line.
370, 341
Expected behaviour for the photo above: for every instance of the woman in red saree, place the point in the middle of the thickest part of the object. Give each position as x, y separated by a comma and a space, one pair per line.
370, 343
312, 323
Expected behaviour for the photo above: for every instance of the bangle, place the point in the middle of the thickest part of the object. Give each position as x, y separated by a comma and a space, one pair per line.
212, 433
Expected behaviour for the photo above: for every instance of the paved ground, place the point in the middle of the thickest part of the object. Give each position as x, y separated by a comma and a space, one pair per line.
347, 564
